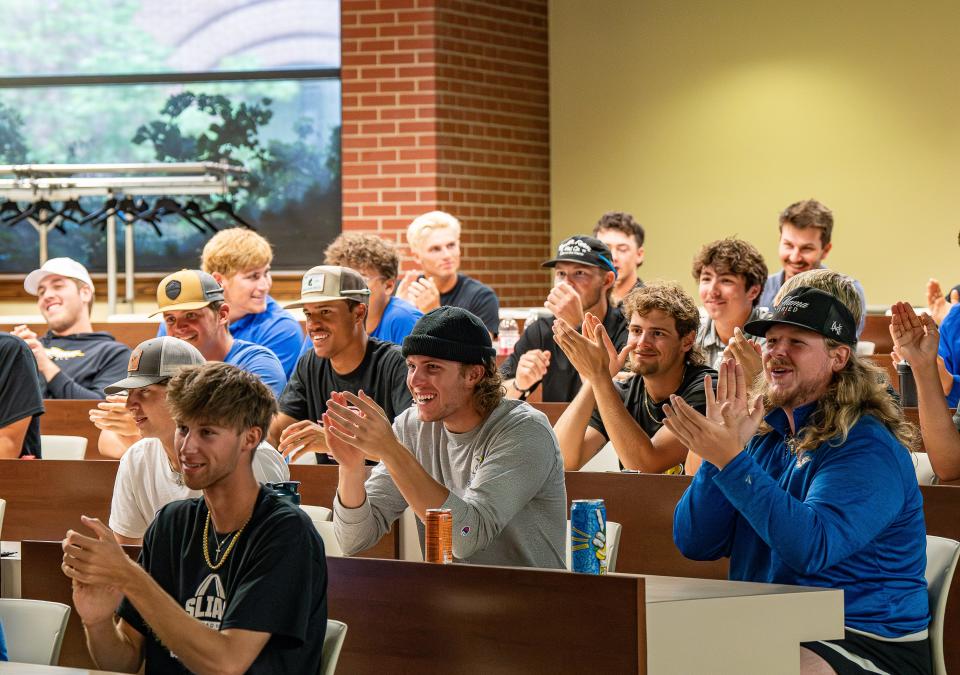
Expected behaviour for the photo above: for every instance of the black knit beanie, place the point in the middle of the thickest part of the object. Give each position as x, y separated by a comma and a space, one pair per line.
451, 334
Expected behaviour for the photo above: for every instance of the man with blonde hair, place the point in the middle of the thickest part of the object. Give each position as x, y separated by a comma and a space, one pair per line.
812, 484
434, 240
239, 259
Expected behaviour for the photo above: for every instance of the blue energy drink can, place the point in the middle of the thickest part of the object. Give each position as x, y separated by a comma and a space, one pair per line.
588, 536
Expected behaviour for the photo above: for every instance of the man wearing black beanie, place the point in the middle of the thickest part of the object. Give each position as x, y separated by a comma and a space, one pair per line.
495, 463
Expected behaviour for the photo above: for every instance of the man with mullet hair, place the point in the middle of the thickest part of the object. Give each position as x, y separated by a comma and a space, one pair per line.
812, 484
493, 462
213, 591
664, 359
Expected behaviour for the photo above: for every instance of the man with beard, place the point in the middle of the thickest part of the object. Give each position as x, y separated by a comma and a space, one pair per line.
234, 581
73, 360
582, 281
812, 484
665, 361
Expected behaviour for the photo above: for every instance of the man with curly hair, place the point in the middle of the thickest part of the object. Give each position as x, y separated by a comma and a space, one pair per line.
389, 317
492, 461
730, 273
812, 484
665, 361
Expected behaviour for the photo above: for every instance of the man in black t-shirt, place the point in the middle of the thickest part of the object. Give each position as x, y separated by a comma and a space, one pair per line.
344, 358
434, 240
20, 402
233, 581
583, 277
665, 361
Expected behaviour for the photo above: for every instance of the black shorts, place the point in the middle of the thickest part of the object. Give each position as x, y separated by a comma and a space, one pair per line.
857, 654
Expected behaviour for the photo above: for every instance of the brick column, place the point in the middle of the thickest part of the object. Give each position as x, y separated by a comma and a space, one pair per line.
445, 106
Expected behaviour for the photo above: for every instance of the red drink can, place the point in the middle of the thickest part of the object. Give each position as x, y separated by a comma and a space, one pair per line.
438, 536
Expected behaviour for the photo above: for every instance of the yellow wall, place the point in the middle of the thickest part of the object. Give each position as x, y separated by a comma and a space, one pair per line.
705, 119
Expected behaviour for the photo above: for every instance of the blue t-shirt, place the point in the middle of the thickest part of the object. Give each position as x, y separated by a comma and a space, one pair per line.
260, 361
846, 515
3, 644
949, 350
274, 328
397, 321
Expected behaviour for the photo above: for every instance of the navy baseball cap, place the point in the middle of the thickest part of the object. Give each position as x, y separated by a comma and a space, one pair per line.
812, 309
583, 250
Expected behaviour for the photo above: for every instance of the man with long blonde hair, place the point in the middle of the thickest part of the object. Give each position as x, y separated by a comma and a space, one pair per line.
812, 484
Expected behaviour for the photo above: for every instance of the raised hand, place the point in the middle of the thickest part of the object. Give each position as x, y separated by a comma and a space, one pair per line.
302, 436
591, 351
112, 415
531, 368
419, 290
729, 424
936, 303
564, 302
97, 567
915, 337
359, 422
747, 353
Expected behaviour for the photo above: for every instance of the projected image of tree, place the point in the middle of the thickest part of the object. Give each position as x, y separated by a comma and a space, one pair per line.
283, 129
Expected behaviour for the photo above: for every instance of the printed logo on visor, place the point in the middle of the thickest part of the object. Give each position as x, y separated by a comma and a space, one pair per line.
134, 363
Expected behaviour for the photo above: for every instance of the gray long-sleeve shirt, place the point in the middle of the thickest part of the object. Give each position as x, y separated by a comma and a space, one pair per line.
506, 483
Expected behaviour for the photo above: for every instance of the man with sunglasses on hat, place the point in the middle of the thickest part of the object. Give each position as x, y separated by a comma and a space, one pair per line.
583, 280
812, 484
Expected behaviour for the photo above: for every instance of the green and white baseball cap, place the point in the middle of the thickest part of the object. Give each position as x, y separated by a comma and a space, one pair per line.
330, 282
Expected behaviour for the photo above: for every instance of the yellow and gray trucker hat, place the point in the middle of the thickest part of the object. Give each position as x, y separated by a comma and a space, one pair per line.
187, 289
329, 282
156, 360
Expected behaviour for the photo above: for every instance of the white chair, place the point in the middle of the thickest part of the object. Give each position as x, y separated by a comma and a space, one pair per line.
317, 513
613, 545
866, 348
33, 629
942, 555
62, 447
332, 643
921, 464
3, 509
305, 458
605, 460
409, 536
330, 544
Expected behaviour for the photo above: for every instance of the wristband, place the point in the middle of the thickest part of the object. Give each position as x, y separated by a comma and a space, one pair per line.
523, 392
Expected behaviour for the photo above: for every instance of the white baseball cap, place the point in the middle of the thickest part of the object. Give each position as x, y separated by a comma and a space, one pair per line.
64, 267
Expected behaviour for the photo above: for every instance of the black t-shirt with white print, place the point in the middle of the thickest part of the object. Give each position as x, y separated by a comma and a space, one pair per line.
273, 581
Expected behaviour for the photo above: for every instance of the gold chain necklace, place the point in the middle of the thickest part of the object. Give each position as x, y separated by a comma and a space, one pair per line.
206, 538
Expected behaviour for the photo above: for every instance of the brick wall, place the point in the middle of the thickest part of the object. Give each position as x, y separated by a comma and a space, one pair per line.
445, 106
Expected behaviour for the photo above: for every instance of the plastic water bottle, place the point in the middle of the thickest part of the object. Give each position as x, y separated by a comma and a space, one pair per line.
509, 334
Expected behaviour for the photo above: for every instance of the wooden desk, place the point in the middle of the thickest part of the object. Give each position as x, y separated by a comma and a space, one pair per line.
876, 329
130, 334
415, 617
